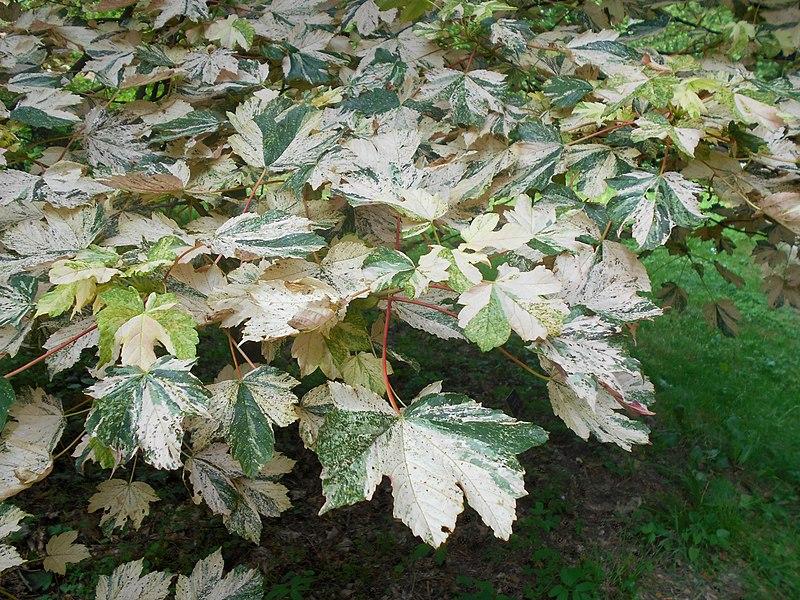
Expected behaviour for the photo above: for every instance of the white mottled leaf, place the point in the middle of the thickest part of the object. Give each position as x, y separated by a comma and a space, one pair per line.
122, 501
608, 282
206, 582
217, 479
440, 449
127, 583
138, 409
27, 441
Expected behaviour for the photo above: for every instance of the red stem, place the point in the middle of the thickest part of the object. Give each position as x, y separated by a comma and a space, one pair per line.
50, 352
441, 309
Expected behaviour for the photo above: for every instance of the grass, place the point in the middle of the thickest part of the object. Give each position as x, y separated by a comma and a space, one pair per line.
730, 407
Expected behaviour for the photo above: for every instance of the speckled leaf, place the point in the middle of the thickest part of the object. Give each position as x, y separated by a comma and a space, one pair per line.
471, 95
16, 299
122, 501
138, 409
440, 449
609, 281
217, 478
127, 583
275, 233
593, 379
653, 205
206, 582
28, 440
245, 410
10, 517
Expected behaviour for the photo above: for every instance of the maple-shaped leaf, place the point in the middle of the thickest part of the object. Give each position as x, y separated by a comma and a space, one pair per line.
340, 272
656, 126
587, 408
653, 205
608, 281
113, 142
275, 309
595, 164
122, 501
10, 517
138, 409
62, 550
566, 91
194, 124
273, 234
193, 287
61, 233
390, 268
593, 379
724, 316
68, 356
45, 107
366, 370
127, 583
109, 57
244, 411
194, 10
783, 207
471, 95
217, 478
440, 449
129, 326
231, 32
279, 134
206, 582
536, 158
27, 441
516, 300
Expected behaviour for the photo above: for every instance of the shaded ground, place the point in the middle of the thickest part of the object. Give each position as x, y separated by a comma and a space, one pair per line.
709, 510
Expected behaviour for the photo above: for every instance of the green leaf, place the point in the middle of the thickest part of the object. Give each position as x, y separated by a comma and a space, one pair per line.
565, 92
132, 327
143, 410
489, 328
245, 410
438, 450
653, 205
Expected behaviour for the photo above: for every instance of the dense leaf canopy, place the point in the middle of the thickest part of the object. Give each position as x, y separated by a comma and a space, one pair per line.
304, 175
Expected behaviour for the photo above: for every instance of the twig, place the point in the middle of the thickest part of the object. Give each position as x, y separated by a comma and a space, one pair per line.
384, 370
233, 355
50, 352
521, 364
69, 446
600, 132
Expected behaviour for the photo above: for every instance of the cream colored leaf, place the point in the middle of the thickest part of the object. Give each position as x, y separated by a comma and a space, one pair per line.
61, 550
127, 583
123, 501
28, 440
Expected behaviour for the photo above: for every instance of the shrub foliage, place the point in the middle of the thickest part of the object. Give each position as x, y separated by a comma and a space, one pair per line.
306, 175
